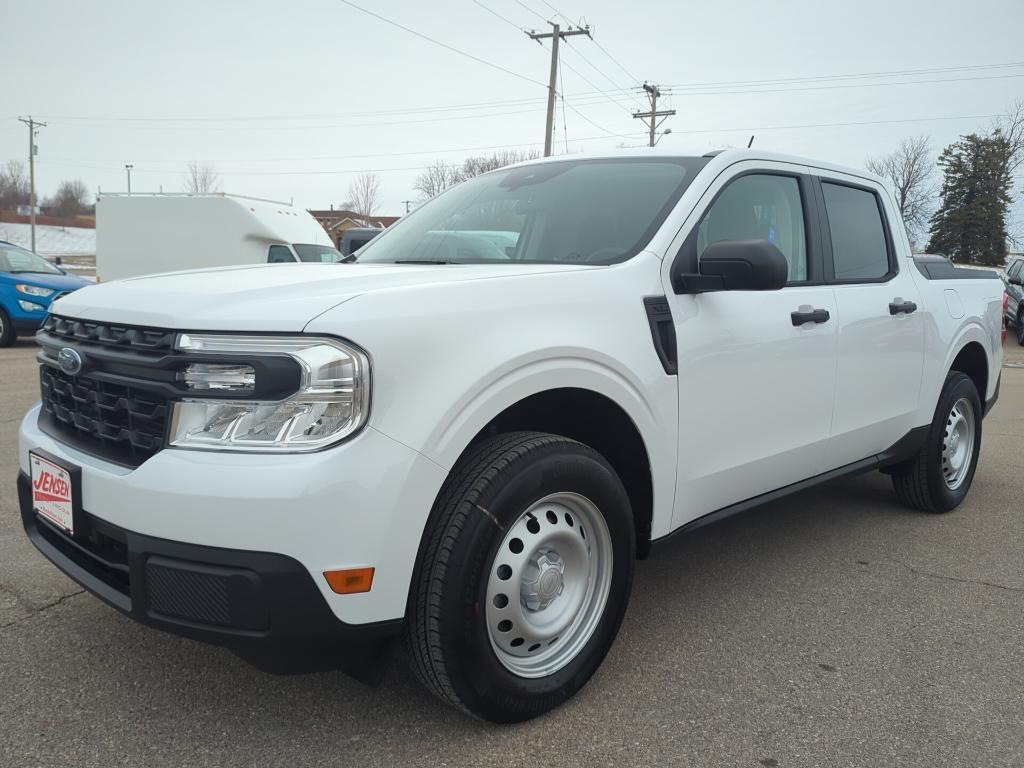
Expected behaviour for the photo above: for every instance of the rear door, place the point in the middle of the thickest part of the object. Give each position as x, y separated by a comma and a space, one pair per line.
755, 389
880, 320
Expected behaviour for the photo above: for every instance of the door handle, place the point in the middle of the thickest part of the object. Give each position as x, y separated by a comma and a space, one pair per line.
813, 316
896, 306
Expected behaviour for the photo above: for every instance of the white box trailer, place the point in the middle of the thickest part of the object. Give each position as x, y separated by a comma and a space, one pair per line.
145, 234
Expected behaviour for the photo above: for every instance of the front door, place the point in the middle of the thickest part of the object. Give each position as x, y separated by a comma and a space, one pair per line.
756, 384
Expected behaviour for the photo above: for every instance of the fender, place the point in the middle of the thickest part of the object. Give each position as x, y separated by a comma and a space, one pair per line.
560, 369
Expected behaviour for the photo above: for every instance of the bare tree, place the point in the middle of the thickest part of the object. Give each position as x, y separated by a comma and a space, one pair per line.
910, 170
71, 199
474, 166
436, 178
1011, 125
364, 193
13, 185
201, 179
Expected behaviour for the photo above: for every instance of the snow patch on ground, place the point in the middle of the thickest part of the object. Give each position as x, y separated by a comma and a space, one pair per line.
52, 241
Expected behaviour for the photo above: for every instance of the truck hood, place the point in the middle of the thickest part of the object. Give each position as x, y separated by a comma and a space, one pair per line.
268, 297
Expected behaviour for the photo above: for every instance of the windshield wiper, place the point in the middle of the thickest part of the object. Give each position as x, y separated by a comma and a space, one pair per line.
422, 261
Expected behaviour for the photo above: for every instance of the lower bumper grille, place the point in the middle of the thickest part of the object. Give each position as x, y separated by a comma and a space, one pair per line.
118, 422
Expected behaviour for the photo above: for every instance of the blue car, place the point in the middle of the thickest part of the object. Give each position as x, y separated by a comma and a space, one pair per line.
28, 285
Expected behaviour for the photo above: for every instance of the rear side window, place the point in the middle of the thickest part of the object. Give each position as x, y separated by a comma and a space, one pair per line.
1014, 268
859, 248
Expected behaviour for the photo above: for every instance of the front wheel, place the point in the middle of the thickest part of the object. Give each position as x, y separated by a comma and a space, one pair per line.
7, 334
1020, 329
938, 478
524, 576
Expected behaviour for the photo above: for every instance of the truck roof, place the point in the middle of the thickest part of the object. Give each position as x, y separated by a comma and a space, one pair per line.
719, 158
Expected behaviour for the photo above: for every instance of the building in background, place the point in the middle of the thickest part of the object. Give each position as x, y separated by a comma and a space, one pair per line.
336, 221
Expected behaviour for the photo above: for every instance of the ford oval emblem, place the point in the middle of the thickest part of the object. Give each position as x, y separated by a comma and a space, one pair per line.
69, 361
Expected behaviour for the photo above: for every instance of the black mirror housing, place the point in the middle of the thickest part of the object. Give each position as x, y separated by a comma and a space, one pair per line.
737, 265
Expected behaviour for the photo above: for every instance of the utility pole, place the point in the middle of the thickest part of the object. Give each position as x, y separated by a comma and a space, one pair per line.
33, 126
555, 34
651, 117
407, 204
128, 168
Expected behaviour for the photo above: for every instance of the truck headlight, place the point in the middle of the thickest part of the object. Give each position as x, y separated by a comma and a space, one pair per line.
332, 401
33, 290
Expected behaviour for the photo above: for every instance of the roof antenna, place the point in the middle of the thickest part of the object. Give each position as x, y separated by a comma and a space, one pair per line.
751, 142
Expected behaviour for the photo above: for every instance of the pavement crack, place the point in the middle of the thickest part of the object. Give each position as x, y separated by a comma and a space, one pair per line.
957, 579
32, 612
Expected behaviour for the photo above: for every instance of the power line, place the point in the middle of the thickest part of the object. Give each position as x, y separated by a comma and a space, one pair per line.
429, 39
723, 129
565, 124
617, 87
568, 21
683, 87
858, 75
340, 157
495, 13
510, 102
524, 5
616, 62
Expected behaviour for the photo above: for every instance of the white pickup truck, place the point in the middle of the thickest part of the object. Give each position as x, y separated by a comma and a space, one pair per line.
468, 440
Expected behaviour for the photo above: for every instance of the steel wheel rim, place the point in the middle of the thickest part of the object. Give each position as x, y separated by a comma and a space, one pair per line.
548, 585
958, 443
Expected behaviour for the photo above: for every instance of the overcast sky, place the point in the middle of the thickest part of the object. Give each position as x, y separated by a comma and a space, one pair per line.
291, 99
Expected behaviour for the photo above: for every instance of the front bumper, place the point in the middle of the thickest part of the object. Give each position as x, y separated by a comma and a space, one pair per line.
263, 606
362, 503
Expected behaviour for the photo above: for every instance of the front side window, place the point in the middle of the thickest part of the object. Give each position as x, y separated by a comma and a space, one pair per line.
1014, 268
279, 254
599, 211
859, 248
760, 207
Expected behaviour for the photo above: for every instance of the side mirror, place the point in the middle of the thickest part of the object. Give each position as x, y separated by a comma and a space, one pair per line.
737, 265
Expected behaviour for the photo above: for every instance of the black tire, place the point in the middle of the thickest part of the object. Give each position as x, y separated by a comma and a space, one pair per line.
920, 483
446, 634
1020, 329
7, 334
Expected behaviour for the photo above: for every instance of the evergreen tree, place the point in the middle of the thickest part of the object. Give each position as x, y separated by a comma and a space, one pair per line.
970, 224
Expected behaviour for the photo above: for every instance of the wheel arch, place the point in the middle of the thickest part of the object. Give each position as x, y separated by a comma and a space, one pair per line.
595, 420
972, 360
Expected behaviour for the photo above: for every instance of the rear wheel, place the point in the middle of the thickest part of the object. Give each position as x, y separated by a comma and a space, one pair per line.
7, 334
938, 478
524, 576
1020, 328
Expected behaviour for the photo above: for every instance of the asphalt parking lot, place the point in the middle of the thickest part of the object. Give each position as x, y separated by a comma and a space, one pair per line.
834, 628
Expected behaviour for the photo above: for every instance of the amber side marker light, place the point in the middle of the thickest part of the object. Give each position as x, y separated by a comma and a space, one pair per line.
350, 581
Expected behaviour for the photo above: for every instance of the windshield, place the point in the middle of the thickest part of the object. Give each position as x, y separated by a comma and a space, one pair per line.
319, 254
16, 260
568, 212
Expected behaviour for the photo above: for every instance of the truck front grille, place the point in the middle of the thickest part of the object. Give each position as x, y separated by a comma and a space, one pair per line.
115, 421
124, 337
